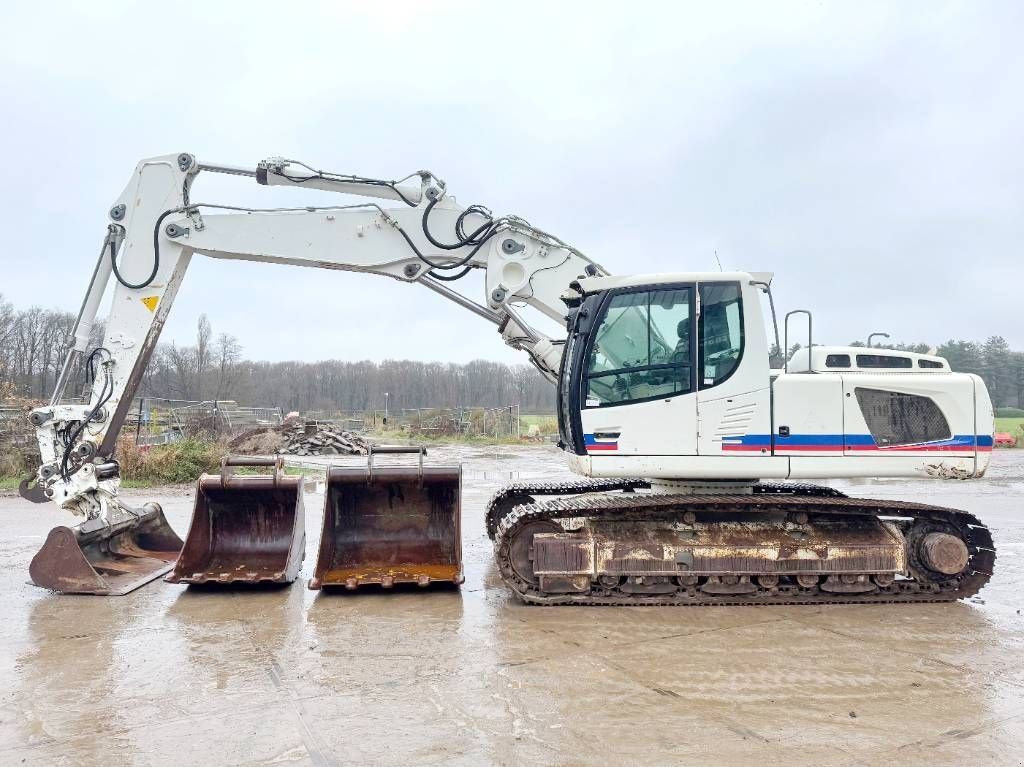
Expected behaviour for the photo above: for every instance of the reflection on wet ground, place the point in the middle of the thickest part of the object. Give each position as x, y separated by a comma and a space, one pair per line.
169, 675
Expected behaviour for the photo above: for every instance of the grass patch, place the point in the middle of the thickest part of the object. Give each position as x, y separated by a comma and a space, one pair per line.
541, 425
173, 464
289, 471
143, 467
15, 464
179, 463
1014, 426
533, 428
412, 437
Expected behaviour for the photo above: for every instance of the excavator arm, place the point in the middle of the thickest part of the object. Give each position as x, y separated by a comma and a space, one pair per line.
155, 227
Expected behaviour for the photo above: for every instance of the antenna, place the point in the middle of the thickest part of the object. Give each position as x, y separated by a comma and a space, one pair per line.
719, 261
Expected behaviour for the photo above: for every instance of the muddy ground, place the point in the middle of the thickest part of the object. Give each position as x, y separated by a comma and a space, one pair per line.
169, 675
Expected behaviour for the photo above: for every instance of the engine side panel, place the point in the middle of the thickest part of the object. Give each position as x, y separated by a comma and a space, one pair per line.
880, 425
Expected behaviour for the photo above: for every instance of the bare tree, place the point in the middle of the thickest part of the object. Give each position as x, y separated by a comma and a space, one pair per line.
203, 351
227, 353
182, 379
8, 327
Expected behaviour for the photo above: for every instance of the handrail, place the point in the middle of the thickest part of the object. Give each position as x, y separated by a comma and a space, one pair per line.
810, 344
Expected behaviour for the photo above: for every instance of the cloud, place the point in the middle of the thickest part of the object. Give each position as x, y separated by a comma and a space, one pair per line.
867, 154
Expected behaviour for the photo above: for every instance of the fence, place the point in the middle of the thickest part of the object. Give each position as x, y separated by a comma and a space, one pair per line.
15, 429
157, 421
464, 420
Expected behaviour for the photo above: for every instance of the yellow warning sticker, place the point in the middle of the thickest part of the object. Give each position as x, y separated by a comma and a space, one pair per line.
151, 302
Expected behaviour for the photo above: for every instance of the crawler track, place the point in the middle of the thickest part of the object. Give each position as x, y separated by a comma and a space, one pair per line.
817, 502
517, 493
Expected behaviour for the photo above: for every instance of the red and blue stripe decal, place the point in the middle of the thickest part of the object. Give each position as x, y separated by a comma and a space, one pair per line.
838, 443
597, 444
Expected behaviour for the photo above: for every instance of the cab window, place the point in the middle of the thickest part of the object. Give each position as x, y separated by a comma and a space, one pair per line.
883, 361
642, 349
837, 361
721, 332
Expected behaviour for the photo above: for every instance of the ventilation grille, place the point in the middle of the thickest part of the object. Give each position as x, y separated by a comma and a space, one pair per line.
895, 418
736, 420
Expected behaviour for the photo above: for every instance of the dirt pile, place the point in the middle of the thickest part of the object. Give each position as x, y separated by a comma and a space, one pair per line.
297, 438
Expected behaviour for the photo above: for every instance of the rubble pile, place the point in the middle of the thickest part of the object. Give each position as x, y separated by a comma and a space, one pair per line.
297, 438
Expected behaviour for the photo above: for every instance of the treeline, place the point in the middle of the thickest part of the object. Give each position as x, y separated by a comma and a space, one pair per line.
34, 342
214, 369
993, 360
336, 384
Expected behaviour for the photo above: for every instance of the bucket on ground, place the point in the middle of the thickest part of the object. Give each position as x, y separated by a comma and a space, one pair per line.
388, 525
245, 528
97, 557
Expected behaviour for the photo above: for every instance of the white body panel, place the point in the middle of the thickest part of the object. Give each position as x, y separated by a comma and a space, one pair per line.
680, 467
808, 405
659, 427
953, 393
798, 425
724, 419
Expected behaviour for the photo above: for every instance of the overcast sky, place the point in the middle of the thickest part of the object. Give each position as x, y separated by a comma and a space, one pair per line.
867, 153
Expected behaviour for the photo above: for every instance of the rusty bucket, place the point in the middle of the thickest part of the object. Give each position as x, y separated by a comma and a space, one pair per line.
110, 558
388, 525
245, 529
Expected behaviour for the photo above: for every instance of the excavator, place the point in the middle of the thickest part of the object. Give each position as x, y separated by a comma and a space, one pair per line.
696, 459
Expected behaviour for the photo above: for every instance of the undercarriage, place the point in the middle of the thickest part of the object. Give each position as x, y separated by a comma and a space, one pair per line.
603, 542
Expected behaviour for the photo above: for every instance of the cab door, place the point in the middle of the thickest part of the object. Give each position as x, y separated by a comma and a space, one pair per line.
638, 393
733, 391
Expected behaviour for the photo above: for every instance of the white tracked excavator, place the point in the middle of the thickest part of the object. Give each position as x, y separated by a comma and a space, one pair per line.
695, 454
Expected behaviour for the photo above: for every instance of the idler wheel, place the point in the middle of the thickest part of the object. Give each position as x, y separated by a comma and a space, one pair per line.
520, 550
944, 553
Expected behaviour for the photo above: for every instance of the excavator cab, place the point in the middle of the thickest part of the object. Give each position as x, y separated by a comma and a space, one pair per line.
245, 529
390, 524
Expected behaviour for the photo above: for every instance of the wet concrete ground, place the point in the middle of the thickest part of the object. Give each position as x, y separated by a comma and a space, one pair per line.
168, 675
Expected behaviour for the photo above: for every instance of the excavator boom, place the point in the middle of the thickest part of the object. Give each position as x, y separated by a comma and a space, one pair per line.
154, 228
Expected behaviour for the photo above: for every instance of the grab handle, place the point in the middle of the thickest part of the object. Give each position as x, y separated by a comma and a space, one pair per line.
392, 449
229, 462
810, 342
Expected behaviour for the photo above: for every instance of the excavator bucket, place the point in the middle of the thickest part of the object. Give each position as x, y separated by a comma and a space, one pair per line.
390, 524
245, 529
109, 559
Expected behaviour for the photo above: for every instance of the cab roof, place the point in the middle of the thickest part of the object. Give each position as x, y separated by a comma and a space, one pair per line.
846, 359
596, 284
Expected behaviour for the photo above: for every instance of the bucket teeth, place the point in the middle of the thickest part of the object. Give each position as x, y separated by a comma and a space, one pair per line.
245, 530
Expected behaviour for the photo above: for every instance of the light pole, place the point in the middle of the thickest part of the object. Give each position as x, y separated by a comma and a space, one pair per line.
385, 408
883, 335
